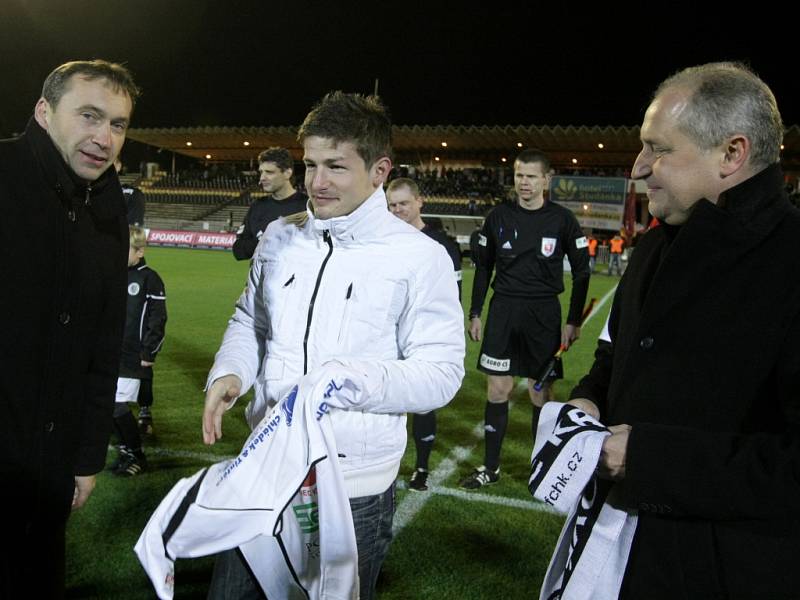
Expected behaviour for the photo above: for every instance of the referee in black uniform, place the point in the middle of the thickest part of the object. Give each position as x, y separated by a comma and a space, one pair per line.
405, 203
524, 244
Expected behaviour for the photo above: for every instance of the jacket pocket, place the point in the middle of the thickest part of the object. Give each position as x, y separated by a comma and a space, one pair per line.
370, 315
279, 296
349, 300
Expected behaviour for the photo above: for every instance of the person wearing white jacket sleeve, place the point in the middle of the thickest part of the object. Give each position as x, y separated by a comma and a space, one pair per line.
351, 284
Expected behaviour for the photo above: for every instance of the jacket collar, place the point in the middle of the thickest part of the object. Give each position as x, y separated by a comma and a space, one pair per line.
60, 177
359, 224
142, 264
753, 201
714, 240
753, 207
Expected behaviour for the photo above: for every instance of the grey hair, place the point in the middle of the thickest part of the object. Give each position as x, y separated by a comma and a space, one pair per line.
728, 98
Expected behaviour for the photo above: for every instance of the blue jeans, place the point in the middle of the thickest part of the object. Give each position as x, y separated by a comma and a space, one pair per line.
372, 520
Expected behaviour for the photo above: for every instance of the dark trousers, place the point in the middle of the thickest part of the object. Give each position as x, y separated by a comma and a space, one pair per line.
32, 553
145, 398
372, 520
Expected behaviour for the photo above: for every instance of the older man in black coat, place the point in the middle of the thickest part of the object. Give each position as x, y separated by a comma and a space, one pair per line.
700, 381
63, 243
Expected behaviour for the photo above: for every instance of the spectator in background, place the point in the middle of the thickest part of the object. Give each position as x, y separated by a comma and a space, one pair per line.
406, 204
275, 166
134, 199
592, 241
616, 246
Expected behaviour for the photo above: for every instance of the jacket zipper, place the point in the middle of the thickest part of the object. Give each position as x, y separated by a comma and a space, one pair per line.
326, 237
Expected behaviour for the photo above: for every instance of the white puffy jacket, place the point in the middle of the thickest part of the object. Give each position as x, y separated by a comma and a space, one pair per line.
366, 290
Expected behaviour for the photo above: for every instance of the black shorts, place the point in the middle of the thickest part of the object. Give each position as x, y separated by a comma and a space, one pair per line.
520, 335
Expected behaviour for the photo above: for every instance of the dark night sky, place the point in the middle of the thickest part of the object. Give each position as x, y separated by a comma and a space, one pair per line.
266, 63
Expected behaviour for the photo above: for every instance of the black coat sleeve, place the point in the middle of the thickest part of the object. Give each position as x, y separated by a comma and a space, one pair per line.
155, 317
483, 267
246, 240
577, 250
101, 381
454, 251
595, 384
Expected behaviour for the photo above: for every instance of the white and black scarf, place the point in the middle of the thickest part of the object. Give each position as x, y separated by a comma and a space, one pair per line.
592, 551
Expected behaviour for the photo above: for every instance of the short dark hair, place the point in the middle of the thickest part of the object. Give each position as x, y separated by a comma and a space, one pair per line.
120, 78
406, 183
280, 156
362, 120
534, 155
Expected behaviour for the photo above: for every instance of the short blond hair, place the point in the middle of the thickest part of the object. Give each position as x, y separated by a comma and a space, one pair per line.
138, 237
405, 182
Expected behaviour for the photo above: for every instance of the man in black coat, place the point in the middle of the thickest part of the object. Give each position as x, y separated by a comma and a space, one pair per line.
700, 381
63, 242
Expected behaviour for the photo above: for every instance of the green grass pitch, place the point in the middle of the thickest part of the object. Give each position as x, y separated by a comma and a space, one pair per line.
451, 545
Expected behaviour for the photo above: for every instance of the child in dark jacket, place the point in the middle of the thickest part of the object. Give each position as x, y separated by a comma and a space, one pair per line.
143, 337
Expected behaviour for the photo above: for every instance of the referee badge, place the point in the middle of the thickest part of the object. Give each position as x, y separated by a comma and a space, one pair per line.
548, 246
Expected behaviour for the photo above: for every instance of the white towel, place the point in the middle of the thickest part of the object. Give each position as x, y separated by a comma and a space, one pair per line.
565, 454
592, 551
285, 486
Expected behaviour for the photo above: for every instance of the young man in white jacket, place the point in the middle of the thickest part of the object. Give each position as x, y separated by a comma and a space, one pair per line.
348, 283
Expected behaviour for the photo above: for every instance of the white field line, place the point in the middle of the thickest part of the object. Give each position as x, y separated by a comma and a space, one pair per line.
413, 502
531, 504
599, 305
199, 456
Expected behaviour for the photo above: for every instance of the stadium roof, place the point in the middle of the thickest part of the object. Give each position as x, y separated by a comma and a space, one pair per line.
420, 144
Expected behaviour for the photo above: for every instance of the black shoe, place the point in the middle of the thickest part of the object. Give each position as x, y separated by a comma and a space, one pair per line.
479, 478
419, 480
122, 455
132, 465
